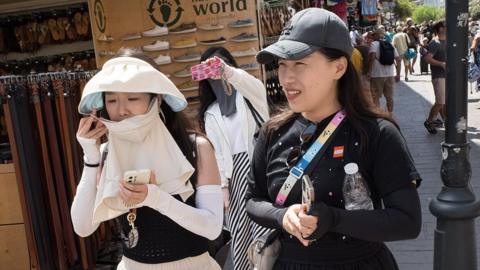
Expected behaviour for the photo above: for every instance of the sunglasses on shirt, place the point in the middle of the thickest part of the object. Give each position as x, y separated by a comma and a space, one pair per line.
299, 150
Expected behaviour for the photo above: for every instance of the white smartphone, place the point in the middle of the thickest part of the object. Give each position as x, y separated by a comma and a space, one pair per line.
137, 176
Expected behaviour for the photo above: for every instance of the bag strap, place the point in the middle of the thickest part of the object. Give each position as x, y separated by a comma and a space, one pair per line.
271, 237
317, 148
256, 115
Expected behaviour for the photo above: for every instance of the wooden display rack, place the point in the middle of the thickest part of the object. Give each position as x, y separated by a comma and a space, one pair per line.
117, 18
14, 252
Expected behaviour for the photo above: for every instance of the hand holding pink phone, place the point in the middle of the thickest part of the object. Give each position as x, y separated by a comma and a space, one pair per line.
206, 70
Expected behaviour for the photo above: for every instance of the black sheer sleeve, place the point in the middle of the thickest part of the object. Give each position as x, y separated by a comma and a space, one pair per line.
259, 204
400, 219
393, 176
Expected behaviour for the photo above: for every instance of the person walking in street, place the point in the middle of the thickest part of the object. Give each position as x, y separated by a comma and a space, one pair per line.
401, 42
436, 57
383, 72
233, 105
423, 52
360, 60
412, 33
426, 30
168, 219
354, 35
475, 49
414, 40
327, 108
389, 34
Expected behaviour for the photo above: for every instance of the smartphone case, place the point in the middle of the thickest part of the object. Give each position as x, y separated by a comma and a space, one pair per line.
137, 176
204, 71
308, 193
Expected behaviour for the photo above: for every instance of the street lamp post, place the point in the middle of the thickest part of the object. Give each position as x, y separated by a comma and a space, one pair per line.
456, 206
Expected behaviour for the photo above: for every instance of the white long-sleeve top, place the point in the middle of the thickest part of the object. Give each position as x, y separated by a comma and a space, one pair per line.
219, 128
205, 219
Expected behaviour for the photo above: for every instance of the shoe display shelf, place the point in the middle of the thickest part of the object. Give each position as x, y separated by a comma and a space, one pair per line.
187, 37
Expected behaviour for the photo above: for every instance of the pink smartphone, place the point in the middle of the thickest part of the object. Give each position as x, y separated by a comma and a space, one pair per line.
204, 71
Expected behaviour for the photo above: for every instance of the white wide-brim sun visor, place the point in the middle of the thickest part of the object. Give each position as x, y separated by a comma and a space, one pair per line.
129, 74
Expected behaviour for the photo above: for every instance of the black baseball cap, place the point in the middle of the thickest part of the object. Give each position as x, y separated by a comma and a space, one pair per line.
306, 32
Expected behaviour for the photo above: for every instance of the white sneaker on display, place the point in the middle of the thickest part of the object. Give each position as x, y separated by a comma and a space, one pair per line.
211, 26
163, 59
156, 31
158, 45
250, 52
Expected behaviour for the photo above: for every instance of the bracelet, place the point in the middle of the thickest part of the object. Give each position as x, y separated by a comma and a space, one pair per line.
91, 165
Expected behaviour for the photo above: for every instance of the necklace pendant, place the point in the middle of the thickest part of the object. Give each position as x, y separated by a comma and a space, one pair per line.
132, 239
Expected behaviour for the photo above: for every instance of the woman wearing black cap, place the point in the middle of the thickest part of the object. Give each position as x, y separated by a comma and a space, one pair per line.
329, 112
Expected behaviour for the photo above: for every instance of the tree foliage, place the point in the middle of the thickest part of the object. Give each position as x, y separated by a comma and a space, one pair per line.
403, 9
474, 9
427, 13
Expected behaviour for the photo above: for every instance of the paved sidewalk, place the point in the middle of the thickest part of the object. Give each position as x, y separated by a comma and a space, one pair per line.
413, 100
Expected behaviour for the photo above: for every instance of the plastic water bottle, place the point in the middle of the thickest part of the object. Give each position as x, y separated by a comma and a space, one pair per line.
355, 189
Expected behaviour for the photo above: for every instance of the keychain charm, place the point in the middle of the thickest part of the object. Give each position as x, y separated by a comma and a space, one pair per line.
223, 77
226, 86
132, 239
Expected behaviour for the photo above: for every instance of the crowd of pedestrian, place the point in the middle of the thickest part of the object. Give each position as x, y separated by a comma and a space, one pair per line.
391, 48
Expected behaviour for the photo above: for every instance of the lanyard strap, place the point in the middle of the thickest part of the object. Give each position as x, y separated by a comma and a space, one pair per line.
297, 171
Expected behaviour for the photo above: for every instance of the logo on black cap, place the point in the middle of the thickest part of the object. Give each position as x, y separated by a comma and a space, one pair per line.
287, 29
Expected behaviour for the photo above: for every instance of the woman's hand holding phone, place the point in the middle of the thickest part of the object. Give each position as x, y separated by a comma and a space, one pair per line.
218, 67
308, 223
89, 132
90, 128
212, 68
134, 194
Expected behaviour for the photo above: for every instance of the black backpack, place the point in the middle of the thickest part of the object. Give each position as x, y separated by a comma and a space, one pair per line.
387, 53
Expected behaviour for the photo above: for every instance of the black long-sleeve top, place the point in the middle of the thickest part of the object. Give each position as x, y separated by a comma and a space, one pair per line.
385, 164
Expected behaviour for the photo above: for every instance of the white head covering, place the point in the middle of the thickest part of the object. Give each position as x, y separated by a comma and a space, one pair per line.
139, 142
129, 74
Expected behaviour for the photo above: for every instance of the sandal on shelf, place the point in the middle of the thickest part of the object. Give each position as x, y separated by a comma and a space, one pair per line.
77, 22
44, 36
85, 23
61, 31
266, 26
69, 29
54, 31
31, 37
21, 37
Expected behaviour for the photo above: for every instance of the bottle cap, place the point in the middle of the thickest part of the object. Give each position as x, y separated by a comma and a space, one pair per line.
351, 168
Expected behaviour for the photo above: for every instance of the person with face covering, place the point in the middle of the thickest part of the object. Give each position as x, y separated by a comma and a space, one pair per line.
330, 116
232, 107
168, 222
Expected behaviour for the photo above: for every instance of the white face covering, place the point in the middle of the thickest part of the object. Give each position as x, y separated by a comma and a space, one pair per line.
136, 143
135, 128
